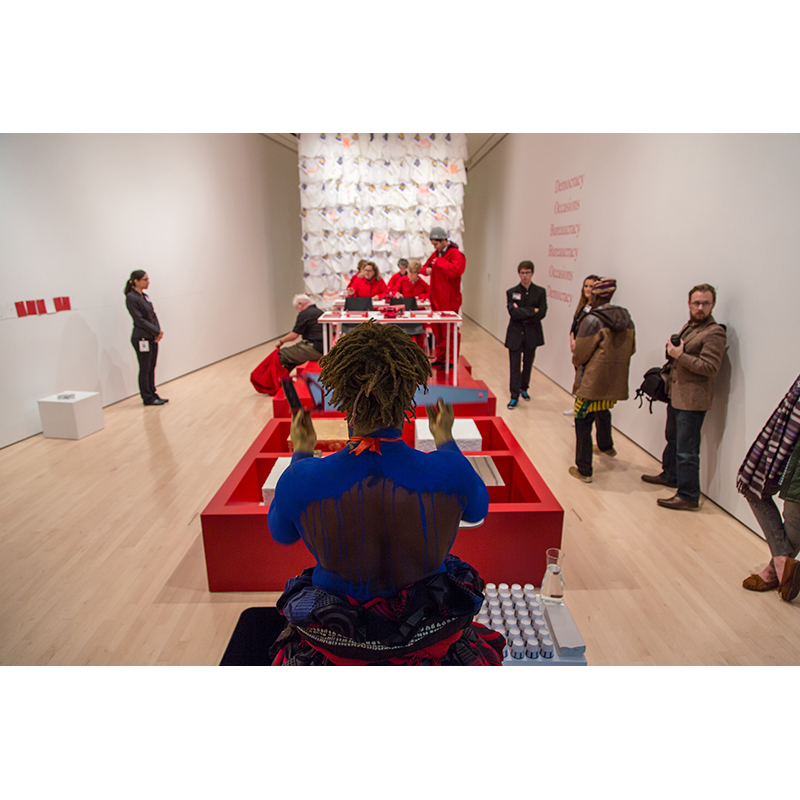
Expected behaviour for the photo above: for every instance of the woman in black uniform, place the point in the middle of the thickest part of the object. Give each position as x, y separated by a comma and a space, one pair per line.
146, 335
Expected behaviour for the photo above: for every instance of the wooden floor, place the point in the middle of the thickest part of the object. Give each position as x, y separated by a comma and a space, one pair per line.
101, 555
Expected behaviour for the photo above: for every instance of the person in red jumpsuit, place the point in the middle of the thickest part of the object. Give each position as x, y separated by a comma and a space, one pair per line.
394, 281
368, 283
445, 267
412, 285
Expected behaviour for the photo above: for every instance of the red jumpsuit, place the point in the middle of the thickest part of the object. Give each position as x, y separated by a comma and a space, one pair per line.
417, 289
394, 282
446, 269
363, 288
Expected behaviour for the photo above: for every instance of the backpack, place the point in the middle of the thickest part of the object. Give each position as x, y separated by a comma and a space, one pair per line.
652, 388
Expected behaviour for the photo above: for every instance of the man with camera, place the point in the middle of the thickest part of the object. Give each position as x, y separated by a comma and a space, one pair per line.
694, 358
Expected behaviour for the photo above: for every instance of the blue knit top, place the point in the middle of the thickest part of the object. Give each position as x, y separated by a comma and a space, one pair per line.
376, 522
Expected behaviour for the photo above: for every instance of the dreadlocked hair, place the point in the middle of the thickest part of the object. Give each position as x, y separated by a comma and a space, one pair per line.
380, 366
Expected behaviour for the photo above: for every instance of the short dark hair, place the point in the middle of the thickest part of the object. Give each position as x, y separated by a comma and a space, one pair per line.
403, 262
525, 265
703, 287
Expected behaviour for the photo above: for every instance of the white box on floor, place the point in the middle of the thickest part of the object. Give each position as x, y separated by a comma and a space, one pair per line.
465, 432
71, 415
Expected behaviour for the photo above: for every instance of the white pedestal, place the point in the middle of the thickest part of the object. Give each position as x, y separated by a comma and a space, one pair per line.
465, 432
71, 419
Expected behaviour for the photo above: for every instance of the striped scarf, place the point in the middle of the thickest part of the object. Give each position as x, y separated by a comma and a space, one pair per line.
766, 460
584, 407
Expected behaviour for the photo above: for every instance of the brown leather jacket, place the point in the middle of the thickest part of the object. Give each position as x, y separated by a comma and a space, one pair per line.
689, 379
604, 345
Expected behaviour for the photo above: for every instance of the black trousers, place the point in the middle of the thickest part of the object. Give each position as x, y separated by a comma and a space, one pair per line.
520, 380
583, 438
147, 370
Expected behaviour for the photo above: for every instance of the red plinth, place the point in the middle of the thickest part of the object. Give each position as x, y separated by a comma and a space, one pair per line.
524, 519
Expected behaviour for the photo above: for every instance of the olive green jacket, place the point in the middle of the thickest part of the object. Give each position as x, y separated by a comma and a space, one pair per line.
790, 482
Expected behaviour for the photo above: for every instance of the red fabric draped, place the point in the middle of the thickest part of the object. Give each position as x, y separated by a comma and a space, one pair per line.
266, 377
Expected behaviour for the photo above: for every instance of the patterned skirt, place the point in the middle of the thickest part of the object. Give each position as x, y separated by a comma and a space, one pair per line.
427, 623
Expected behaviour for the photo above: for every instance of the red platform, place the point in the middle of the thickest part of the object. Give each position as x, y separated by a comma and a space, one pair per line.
524, 519
488, 408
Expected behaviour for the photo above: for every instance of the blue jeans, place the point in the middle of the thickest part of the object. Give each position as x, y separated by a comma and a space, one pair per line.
680, 463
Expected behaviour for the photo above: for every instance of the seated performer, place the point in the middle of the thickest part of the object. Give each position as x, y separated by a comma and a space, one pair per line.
380, 519
307, 329
368, 283
394, 281
359, 267
412, 285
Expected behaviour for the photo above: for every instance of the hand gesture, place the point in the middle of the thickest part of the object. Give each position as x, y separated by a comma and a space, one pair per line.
440, 421
674, 352
302, 432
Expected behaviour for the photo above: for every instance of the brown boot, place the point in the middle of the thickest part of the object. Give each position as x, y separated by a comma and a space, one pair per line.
790, 583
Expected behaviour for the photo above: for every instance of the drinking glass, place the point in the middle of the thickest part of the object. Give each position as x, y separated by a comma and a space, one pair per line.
553, 583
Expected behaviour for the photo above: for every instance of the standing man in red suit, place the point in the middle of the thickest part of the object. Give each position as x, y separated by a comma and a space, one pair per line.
445, 267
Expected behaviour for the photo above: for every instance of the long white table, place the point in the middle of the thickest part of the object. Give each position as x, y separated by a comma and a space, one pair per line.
332, 321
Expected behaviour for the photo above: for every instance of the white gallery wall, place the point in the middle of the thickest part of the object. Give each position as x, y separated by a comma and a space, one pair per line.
212, 218
660, 213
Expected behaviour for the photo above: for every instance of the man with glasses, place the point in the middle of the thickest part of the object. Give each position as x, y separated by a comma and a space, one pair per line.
689, 380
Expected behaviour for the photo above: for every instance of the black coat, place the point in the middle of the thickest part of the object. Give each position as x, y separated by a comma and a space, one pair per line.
145, 321
525, 325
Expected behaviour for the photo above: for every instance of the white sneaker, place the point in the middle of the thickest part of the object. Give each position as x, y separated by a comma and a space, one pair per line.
570, 412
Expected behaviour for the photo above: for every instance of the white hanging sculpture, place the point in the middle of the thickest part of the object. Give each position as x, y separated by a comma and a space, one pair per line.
375, 196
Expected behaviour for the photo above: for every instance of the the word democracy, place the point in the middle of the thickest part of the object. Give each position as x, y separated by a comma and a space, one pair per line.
562, 297
572, 183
